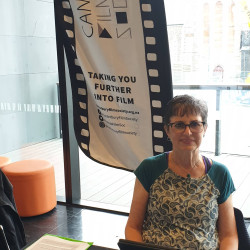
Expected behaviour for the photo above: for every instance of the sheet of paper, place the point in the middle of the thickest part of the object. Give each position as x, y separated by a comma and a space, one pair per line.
51, 242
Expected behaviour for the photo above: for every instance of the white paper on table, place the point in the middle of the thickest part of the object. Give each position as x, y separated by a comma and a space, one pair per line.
50, 242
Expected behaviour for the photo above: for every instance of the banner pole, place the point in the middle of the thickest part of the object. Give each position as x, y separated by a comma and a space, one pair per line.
70, 147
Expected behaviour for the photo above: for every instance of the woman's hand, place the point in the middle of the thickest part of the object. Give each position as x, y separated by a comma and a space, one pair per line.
137, 213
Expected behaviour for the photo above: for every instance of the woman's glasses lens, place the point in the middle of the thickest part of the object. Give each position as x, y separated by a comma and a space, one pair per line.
195, 127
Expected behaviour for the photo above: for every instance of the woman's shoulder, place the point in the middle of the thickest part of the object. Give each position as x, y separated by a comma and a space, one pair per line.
155, 159
222, 179
154, 162
150, 168
218, 167
219, 173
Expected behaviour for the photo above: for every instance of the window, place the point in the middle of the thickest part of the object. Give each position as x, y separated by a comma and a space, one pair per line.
29, 108
209, 48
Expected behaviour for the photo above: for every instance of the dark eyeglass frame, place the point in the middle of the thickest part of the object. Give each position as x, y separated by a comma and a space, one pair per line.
180, 130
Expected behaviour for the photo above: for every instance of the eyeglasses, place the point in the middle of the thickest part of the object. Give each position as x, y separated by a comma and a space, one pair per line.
180, 127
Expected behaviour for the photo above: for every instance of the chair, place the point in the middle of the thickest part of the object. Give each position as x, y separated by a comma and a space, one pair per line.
4, 161
244, 239
34, 186
9, 218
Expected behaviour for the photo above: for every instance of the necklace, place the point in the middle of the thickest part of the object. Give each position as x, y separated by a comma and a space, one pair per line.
183, 168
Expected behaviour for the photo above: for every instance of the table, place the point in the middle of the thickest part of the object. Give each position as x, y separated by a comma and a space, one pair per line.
93, 247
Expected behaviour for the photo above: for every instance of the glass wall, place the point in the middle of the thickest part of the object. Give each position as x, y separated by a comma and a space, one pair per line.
29, 108
209, 41
209, 47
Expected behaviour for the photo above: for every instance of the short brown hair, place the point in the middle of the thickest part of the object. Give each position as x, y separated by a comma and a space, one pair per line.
182, 105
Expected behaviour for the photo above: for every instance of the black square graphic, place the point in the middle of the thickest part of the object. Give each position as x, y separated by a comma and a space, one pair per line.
121, 17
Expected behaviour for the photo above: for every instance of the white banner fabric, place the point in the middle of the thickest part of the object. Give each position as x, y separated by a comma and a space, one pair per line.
118, 86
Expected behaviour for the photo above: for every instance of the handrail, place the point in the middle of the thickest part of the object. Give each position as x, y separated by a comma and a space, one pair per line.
212, 86
218, 89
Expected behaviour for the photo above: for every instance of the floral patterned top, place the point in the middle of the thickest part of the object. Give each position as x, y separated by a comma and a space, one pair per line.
182, 212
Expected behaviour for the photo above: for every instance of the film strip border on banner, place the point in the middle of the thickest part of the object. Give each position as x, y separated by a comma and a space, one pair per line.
78, 80
158, 68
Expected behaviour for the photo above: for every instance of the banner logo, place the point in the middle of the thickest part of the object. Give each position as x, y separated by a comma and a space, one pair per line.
106, 18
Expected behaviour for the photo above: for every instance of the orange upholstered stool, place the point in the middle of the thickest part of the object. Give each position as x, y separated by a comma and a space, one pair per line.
4, 161
33, 186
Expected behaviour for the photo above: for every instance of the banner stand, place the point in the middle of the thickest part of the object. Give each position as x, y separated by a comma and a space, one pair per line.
133, 96
70, 146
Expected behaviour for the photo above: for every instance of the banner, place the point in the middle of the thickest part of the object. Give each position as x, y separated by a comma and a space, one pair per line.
119, 63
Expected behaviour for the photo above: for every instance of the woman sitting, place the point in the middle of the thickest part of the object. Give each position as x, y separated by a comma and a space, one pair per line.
181, 198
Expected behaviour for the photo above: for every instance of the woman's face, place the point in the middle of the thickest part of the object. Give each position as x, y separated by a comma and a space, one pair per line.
185, 140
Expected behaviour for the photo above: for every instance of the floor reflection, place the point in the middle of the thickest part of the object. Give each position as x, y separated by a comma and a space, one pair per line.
104, 229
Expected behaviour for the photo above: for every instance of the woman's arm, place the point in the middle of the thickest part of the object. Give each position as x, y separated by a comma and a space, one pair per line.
227, 226
137, 213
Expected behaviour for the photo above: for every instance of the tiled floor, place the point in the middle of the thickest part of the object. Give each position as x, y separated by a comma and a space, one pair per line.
101, 228
104, 229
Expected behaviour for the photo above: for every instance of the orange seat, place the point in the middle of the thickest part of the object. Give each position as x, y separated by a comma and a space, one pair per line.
4, 161
33, 186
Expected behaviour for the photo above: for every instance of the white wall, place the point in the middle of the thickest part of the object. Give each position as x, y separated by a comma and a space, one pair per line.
28, 73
